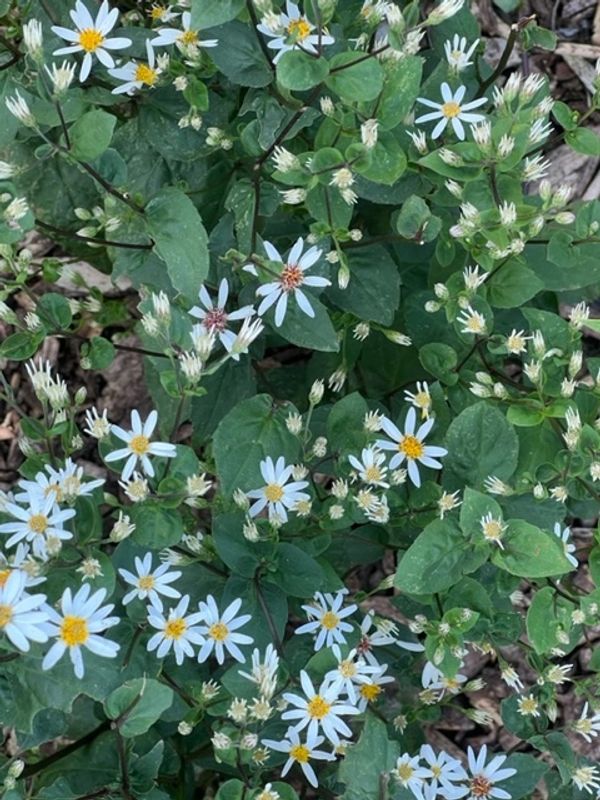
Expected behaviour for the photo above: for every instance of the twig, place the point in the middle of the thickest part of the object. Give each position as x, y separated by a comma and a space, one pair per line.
93, 239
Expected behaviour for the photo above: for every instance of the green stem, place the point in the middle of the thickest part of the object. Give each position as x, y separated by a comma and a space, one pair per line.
33, 769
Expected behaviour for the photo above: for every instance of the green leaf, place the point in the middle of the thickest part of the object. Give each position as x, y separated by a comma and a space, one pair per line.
208, 13
436, 560
440, 360
54, 309
233, 789
542, 625
374, 289
355, 78
368, 761
241, 556
584, 140
530, 552
137, 705
91, 134
156, 526
179, 239
298, 574
476, 505
297, 71
513, 285
19, 346
529, 772
524, 417
413, 218
387, 162
402, 81
238, 54
100, 353
253, 430
316, 333
480, 442
345, 423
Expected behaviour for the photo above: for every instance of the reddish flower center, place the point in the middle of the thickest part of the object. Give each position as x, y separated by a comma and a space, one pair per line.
364, 645
481, 786
215, 320
291, 278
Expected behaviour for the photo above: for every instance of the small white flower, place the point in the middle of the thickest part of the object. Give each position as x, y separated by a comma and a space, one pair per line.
493, 529
37, 523
277, 495
187, 39
136, 74
472, 321
586, 778
148, 584
290, 279
327, 619
409, 774
83, 617
293, 30
371, 469
420, 399
410, 445
370, 689
299, 753
215, 319
220, 631
139, 447
90, 36
351, 671
457, 55
568, 547
264, 671
445, 10
483, 779
177, 630
528, 706
448, 502
22, 616
61, 77
585, 726
19, 108
452, 110
319, 710
33, 38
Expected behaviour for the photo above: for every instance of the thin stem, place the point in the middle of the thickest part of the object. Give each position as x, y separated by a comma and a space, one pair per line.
33, 769
501, 66
261, 41
287, 128
269, 618
93, 239
109, 187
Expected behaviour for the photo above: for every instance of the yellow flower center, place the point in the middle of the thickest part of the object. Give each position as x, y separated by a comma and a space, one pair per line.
405, 772
74, 631
411, 447
54, 487
156, 13
373, 474
139, 445
329, 620
318, 707
146, 582
273, 492
492, 530
175, 628
450, 109
481, 786
38, 523
188, 38
298, 29
4, 576
422, 400
347, 669
145, 74
370, 691
529, 705
6, 613
90, 39
435, 770
300, 752
219, 631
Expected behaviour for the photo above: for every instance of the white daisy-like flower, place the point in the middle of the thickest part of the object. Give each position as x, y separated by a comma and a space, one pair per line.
371, 469
586, 778
98, 425
410, 445
136, 74
493, 529
36, 523
220, 631
433, 678
186, 38
483, 779
420, 399
409, 774
264, 670
300, 753
587, 726
319, 710
370, 689
22, 616
351, 672
568, 546
384, 635
23, 561
293, 30
445, 772
328, 619
148, 583
139, 447
64, 484
215, 319
177, 630
278, 496
90, 36
290, 280
452, 111
457, 55
83, 617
